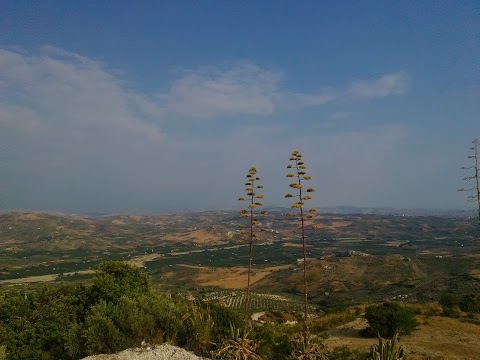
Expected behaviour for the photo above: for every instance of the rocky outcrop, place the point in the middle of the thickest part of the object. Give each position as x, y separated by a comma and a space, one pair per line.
160, 352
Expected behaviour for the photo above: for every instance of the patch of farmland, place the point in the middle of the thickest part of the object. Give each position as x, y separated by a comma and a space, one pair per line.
258, 302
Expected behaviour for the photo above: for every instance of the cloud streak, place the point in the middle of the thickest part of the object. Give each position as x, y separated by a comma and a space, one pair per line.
76, 136
386, 85
243, 89
247, 89
57, 89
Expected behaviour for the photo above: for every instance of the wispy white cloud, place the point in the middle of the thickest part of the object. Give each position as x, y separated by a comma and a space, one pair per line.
241, 89
386, 85
78, 136
59, 90
70, 130
312, 100
80, 92
247, 89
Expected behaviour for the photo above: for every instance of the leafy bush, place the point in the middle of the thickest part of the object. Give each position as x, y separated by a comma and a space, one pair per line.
271, 344
36, 325
114, 279
223, 318
386, 319
448, 300
71, 321
101, 333
470, 304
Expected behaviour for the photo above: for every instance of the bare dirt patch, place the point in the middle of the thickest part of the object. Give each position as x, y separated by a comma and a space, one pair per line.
289, 244
333, 225
338, 286
197, 236
230, 278
29, 216
141, 260
118, 222
395, 243
475, 274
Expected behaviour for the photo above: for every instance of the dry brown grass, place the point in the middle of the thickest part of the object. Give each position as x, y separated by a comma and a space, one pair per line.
141, 260
354, 273
197, 236
227, 278
118, 222
436, 338
475, 274
336, 223
395, 243
289, 244
29, 216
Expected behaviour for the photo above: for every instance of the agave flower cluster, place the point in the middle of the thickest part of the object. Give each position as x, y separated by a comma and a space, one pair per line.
299, 176
254, 201
300, 195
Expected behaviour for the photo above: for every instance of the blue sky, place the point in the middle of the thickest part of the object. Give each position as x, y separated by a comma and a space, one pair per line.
161, 105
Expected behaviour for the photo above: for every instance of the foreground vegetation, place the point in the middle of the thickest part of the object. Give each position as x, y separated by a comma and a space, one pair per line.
82, 313
120, 309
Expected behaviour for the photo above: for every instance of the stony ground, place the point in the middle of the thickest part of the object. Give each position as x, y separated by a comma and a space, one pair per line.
160, 352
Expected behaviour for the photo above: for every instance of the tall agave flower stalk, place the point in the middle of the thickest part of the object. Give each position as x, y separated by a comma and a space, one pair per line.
253, 199
300, 195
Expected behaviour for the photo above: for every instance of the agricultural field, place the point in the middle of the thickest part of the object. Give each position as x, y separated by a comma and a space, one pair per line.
258, 301
352, 259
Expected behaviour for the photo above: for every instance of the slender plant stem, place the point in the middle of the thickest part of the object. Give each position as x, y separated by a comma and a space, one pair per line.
475, 157
305, 288
247, 300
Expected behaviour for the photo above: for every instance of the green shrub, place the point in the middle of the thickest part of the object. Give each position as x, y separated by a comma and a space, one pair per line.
386, 319
114, 279
271, 344
198, 330
448, 300
101, 334
135, 322
223, 318
35, 324
470, 304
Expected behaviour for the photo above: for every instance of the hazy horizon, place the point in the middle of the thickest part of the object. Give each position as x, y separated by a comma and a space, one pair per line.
165, 105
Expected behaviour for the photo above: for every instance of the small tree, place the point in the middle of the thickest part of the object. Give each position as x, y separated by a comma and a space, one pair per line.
116, 278
299, 175
387, 319
474, 176
448, 300
252, 212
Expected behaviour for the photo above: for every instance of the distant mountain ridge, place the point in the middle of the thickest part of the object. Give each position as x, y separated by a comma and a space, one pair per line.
349, 210
355, 210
